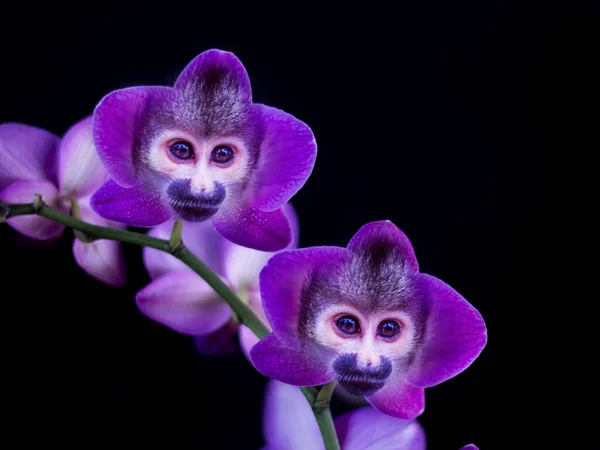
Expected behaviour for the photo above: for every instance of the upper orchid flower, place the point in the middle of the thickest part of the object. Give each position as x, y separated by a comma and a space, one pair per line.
289, 424
365, 316
178, 298
202, 150
65, 173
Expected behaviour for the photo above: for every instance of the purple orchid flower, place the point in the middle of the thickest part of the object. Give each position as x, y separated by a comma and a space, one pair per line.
178, 298
289, 424
365, 316
62, 172
202, 150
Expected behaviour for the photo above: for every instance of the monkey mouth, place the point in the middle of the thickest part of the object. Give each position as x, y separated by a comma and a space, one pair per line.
194, 212
361, 385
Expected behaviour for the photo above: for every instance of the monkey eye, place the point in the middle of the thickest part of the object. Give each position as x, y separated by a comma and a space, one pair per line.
388, 329
182, 150
222, 154
348, 325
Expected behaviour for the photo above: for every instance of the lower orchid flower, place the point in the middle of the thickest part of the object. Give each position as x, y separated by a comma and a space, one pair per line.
178, 298
289, 424
366, 316
65, 172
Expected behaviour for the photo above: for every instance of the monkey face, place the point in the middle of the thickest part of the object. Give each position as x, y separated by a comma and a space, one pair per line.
368, 345
199, 172
202, 149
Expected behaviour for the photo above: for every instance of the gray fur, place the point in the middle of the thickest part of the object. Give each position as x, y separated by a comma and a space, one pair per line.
371, 281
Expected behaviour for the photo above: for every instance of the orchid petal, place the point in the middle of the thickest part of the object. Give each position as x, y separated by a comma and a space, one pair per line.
455, 334
199, 237
282, 280
470, 447
34, 226
288, 420
368, 429
184, 302
116, 124
308, 367
253, 228
132, 206
288, 152
399, 399
243, 264
26, 153
381, 237
80, 171
103, 259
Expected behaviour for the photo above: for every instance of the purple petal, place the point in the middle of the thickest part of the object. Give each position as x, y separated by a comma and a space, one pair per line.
27, 153
300, 368
101, 259
282, 280
80, 171
242, 265
183, 302
470, 447
288, 420
455, 334
220, 342
132, 206
253, 228
381, 236
34, 226
218, 73
399, 399
199, 237
116, 120
287, 156
368, 429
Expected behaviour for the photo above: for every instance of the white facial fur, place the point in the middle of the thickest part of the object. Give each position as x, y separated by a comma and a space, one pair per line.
366, 344
201, 170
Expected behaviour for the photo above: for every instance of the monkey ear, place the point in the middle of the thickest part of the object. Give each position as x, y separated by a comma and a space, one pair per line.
132, 206
288, 152
116, 122
379, 238
216, 72
455, 334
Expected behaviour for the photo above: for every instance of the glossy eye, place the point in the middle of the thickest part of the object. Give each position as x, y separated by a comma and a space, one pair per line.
348, 325
182, 150
388, 329
222, 154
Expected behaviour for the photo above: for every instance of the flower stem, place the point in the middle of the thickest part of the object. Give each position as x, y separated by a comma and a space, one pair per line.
321, 410
243, 312
175, 240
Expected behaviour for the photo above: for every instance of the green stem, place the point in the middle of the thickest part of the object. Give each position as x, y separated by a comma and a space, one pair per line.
327, 427
244, 314
175, 240
321, 410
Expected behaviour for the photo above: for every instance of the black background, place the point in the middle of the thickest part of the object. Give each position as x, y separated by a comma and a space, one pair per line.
439, 117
